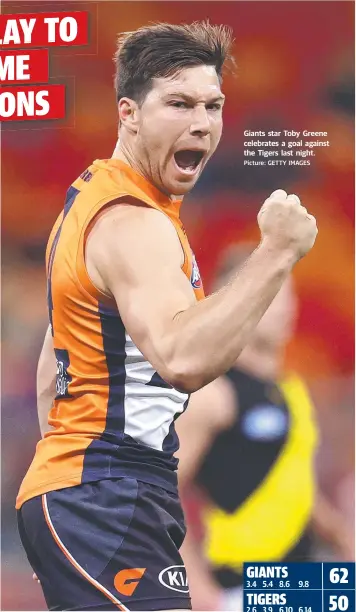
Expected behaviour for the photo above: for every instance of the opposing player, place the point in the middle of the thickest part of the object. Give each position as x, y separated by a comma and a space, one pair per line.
133, 336
247, 445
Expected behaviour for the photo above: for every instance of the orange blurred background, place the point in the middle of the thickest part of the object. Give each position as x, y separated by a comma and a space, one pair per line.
295, 71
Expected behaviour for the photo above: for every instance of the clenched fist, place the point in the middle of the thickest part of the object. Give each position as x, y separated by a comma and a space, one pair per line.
286, 224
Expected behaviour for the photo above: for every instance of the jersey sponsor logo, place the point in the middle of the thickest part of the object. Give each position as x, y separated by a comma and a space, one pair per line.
195, 277
175, 578
126, 581
265, 422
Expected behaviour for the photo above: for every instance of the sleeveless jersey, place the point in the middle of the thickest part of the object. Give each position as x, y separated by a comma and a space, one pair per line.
113, 414
258, 476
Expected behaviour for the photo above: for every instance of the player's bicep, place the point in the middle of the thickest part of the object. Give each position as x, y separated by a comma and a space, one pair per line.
141, 268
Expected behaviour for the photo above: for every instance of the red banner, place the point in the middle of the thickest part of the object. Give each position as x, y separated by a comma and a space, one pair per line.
60, 29
32, 103
29, 66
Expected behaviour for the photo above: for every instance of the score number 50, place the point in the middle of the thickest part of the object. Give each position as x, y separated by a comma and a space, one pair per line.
338, 602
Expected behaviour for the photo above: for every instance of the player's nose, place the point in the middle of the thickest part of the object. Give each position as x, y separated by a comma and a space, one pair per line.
200, 121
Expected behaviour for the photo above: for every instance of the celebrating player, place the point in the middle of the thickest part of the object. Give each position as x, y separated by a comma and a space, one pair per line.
131, 335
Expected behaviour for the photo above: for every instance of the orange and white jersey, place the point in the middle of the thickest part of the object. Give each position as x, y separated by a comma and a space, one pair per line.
113, 414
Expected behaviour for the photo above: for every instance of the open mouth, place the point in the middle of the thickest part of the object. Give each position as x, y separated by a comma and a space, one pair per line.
188, 161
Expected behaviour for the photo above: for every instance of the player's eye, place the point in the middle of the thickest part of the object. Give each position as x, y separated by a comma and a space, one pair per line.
216, 106
179, 104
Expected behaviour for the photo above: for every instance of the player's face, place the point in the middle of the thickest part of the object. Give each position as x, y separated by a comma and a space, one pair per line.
180, 125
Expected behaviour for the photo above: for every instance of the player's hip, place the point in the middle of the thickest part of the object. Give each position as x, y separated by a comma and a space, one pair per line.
78, 460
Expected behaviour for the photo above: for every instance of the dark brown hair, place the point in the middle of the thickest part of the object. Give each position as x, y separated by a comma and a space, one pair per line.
163, 50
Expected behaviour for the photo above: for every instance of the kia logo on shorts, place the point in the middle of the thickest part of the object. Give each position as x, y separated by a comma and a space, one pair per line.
175, 578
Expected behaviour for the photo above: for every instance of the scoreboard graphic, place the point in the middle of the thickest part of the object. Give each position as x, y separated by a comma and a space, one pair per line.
299, 587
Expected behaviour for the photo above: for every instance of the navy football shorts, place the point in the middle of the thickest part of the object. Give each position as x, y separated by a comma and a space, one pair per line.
107, 545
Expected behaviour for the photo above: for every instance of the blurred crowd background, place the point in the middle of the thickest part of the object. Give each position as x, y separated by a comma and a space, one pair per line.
295, 69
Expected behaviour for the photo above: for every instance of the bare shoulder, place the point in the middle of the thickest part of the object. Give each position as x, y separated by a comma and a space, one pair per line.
133, 224
122, 213
134, 237
216, 403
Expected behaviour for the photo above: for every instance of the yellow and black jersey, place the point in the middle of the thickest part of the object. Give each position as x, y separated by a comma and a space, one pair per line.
258, 478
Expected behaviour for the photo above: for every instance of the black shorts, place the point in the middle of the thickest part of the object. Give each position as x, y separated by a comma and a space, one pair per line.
107, 545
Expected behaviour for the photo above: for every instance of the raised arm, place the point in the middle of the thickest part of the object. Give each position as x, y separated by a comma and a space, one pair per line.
188, 343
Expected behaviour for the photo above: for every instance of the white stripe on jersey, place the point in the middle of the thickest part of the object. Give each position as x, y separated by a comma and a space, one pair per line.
149, 409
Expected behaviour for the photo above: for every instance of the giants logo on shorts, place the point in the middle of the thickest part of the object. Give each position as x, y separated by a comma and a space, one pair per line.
126, 581
175, 578
195, 278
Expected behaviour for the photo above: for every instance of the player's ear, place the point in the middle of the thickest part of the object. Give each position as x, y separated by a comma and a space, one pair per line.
128, 114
